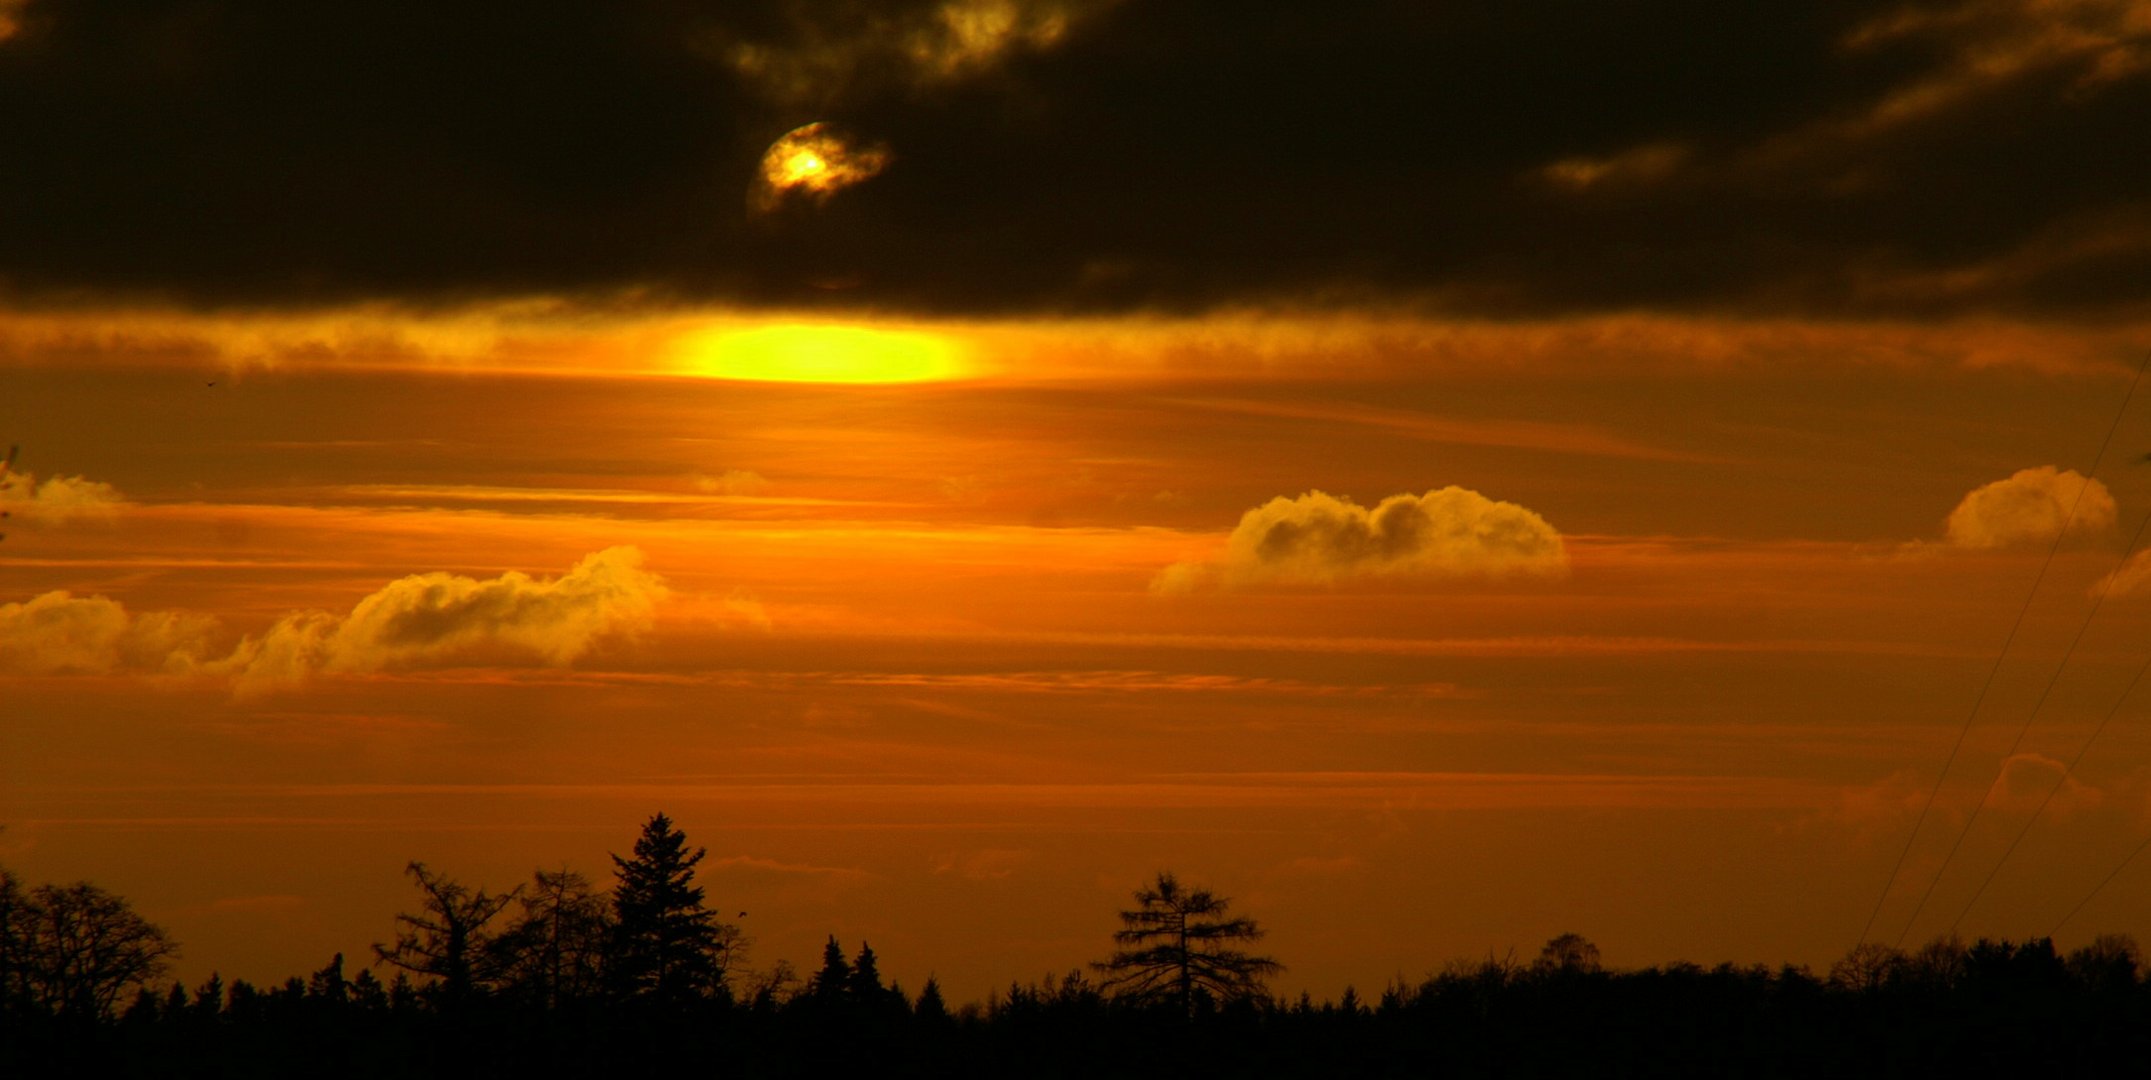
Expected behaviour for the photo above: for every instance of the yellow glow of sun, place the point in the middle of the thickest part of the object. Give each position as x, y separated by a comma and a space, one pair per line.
813, 163
821, 353
799, 167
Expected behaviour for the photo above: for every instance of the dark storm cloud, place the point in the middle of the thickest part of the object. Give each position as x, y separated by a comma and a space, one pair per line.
1532, 156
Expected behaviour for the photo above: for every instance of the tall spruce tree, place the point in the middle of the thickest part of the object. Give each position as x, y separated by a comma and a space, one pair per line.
667, 946
833, 981
865, 982
931, 1007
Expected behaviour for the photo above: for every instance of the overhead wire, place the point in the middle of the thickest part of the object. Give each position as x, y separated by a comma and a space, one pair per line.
2069, 769
2017, 743
2101, 886
1956, 748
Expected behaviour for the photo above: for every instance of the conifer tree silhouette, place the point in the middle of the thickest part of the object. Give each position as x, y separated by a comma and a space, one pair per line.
834, 980
932, 1008
865, 982
667, 945
1177, 948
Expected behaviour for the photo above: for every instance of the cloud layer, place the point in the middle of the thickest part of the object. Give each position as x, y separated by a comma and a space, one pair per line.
421, 620
2024, 781
435, 618
2031, 509
1317, 538
1901, 159
58, 500
59, 633
2130, 578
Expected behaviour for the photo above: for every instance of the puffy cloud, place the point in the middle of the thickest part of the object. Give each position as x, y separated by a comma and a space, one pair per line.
813, 163
1318, 537
60, 633
414, 621
2031, 508
436, 617
830, 51
2025, 779
2133, 576
58, 500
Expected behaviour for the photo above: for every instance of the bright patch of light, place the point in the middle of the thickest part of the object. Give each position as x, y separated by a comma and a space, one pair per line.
821, 353
814, 162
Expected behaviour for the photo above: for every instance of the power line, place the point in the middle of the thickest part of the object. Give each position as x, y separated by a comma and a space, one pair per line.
2100, 887
2007, 641
2105, 589
2069, 770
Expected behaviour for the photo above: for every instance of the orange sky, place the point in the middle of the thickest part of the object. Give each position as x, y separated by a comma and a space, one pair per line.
952, 665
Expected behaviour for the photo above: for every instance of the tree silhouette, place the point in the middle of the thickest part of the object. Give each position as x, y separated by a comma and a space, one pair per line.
1568, 954
447, 939
14, 941
2110, 961
931, 1007
835, 977
327, 984
666, 944
72, 950
1177, 946
865, 984
1870, 965
555, 951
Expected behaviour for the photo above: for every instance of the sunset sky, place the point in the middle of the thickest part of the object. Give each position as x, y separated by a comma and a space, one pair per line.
1440, 475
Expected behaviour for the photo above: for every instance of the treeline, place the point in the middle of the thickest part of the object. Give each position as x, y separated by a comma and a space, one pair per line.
558, 976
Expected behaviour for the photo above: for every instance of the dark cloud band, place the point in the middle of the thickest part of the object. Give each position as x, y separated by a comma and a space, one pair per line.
1068, 156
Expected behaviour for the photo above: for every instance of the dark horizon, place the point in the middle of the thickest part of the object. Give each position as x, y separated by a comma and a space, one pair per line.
555, 971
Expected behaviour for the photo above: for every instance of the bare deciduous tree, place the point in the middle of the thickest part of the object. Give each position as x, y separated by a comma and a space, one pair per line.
14, 938
73, 950
1870, 965
447, 939
1568, 954
555, 952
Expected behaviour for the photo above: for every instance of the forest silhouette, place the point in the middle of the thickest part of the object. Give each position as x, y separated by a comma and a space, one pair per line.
556, 975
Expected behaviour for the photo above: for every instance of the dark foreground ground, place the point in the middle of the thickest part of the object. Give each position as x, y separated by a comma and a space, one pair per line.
1985, 1010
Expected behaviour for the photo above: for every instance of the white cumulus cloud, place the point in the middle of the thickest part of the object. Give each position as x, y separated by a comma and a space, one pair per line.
415, 621
2133, 576
58, 500
2025, 781
437, 617
60, 633
1318, 538
2031, 509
